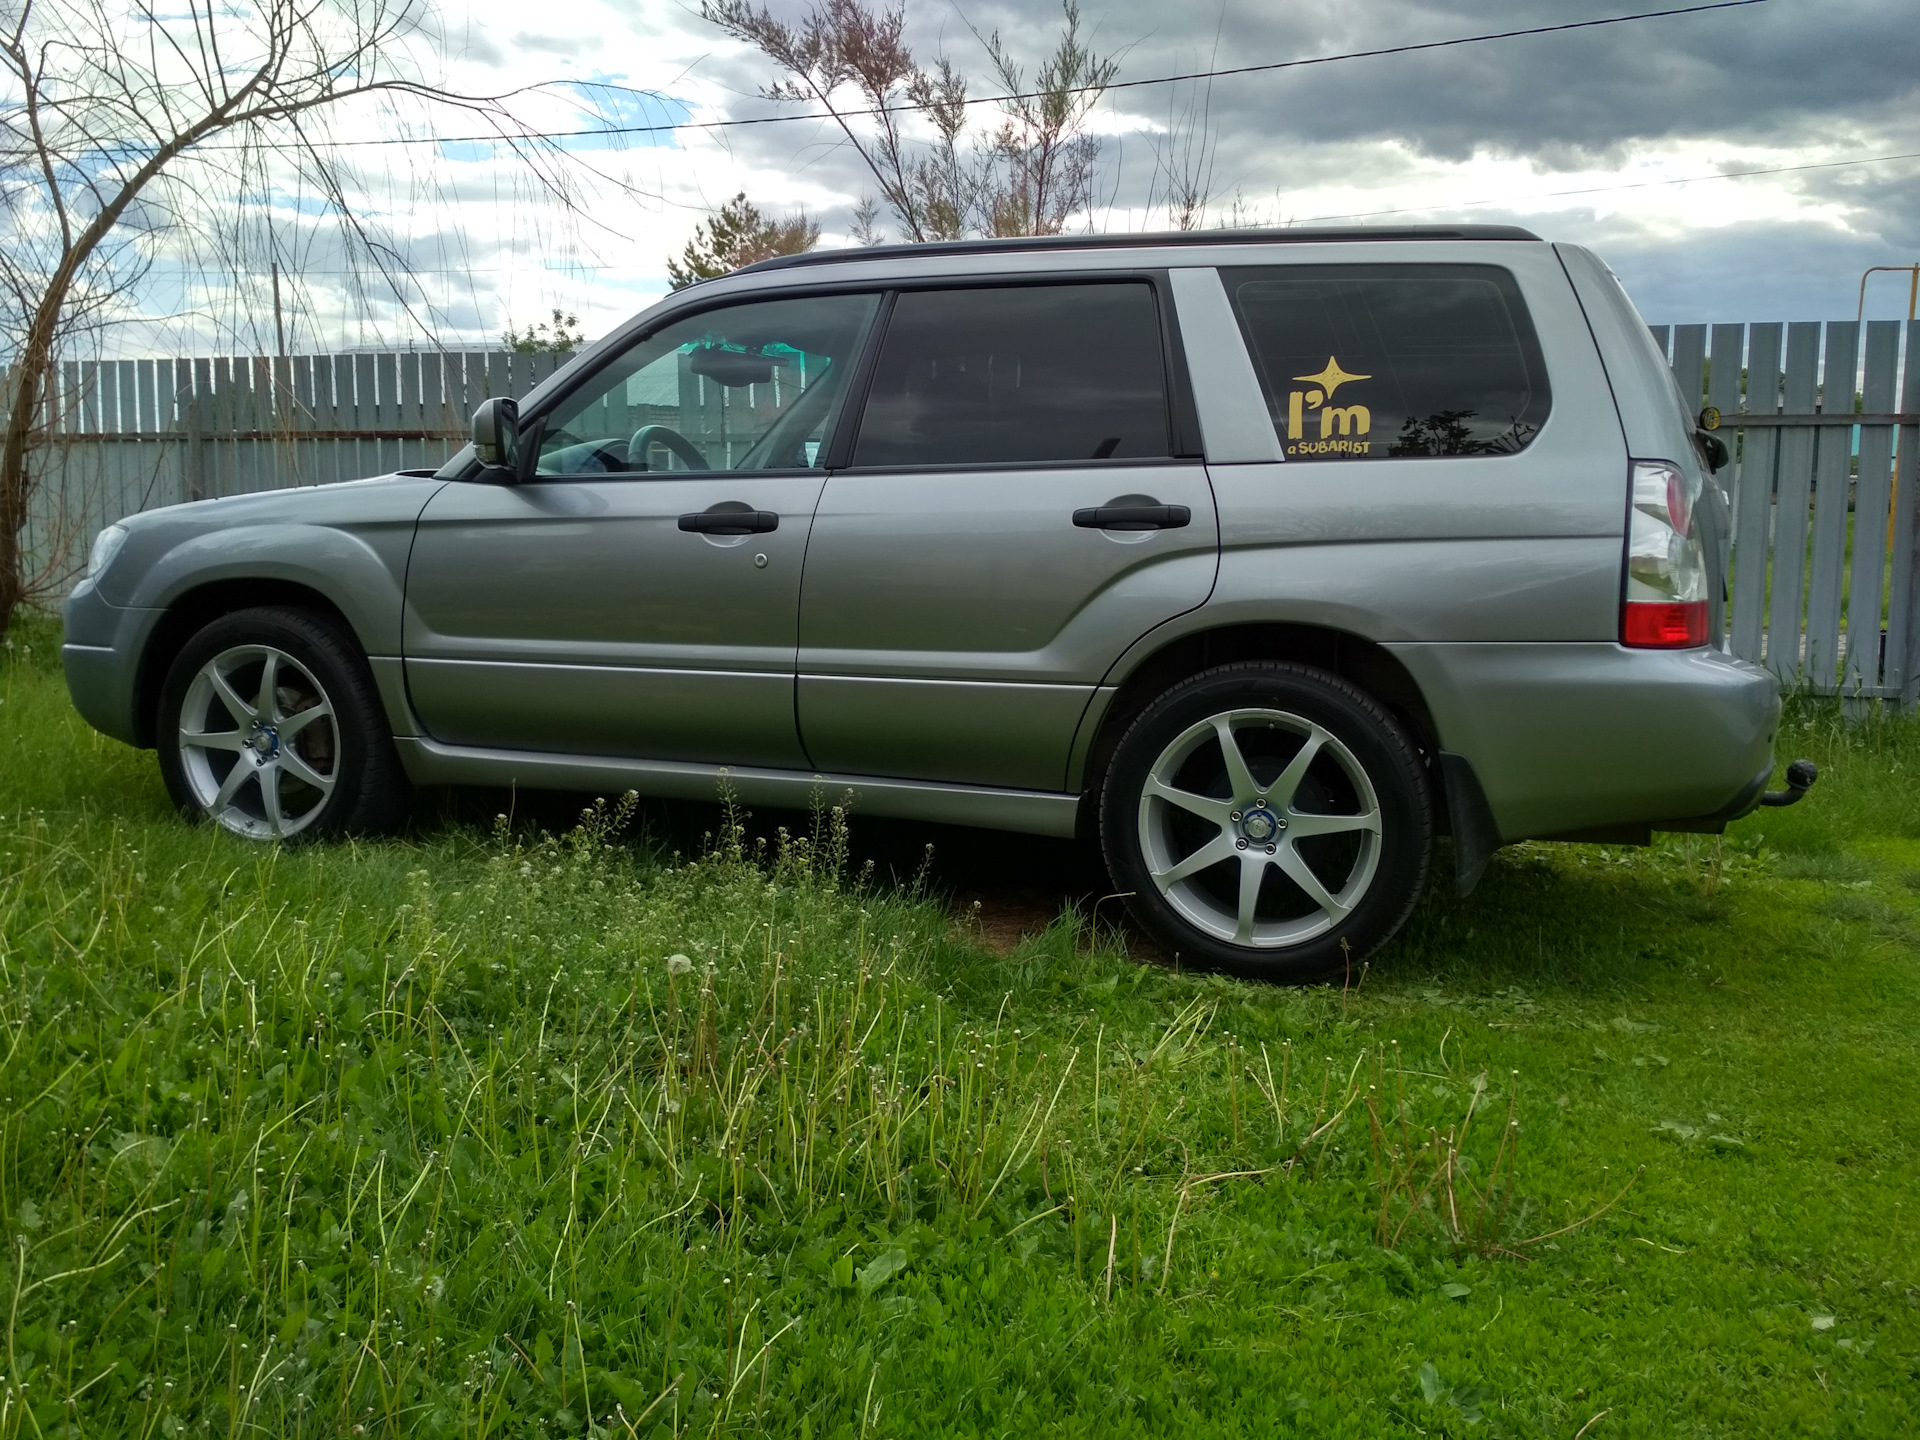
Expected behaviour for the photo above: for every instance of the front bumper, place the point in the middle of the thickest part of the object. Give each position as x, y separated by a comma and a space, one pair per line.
101, 656
1588, 737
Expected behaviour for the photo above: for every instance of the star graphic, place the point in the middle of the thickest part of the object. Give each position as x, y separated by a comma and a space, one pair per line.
1331, 378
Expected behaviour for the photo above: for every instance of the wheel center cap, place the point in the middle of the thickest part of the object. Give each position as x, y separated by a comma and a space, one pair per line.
264, 742
1261, 825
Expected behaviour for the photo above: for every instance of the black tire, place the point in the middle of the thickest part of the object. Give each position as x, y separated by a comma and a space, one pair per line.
1362, 765
323, 697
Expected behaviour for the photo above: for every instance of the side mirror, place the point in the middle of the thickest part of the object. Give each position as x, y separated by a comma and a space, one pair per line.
496, 432
1714, 449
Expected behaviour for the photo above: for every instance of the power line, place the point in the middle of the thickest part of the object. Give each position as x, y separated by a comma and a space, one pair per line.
1601, 189
566, 270
1424, 45
506, 137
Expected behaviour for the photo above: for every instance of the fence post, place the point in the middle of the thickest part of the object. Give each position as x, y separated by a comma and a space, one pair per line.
1903, 638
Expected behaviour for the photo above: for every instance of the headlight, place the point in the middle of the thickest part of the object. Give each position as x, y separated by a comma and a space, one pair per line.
106, 545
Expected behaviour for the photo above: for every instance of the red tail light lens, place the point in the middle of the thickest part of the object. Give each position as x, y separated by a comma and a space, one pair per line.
1664, 625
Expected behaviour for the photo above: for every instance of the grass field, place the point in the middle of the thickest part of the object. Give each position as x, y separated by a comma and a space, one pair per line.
485, 1132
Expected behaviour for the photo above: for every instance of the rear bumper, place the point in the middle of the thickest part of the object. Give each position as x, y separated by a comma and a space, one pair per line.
1596, 737
1738, 808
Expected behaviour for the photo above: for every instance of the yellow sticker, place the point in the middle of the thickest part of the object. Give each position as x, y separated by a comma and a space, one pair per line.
1331, 378
1342, 427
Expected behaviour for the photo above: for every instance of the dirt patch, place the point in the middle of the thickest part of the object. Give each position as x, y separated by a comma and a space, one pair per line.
1002, 919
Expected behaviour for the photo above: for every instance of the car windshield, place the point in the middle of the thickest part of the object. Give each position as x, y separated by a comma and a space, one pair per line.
746, 387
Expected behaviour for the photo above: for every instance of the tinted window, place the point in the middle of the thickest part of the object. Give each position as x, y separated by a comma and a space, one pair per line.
747, 387
1018, 376
1389, 362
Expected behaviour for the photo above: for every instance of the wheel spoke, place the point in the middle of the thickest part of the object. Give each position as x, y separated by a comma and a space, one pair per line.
1238, 776
1253, 869
1282, 790
1205, 806
301, 719
1295, 868
1212, 853
214, 740
296, 765
269, 672
241, 711
270, 796
1301, 825
229, 787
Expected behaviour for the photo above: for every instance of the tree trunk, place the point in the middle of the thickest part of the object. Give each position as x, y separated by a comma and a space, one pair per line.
25, 391
9, 582
36, 362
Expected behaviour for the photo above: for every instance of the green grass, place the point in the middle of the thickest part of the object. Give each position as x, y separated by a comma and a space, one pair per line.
435, 1136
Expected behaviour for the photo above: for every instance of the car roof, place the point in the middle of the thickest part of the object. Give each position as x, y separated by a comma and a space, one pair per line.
1014, 245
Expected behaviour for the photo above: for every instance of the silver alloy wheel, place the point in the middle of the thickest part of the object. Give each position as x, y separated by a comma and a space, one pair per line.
1258, 825
261, 767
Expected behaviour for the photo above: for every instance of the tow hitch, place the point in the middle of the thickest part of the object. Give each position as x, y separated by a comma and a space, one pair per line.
1800, 777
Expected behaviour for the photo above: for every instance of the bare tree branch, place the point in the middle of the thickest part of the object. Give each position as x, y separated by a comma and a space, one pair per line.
123, 123
1026, 176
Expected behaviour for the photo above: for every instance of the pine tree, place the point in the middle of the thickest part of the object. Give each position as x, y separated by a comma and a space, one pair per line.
738, 234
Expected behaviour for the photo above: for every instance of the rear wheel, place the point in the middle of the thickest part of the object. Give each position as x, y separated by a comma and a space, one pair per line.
270, 727
1269, 820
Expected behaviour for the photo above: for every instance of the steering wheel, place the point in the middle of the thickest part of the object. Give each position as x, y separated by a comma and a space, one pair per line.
647, 436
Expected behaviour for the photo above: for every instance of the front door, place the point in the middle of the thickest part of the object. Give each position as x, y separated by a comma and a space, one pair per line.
1012, 519
639, 595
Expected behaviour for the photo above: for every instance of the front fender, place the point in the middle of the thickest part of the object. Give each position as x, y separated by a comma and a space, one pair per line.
347, 543
365, 585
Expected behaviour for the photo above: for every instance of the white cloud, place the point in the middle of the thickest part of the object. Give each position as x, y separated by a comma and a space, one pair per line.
1580, 136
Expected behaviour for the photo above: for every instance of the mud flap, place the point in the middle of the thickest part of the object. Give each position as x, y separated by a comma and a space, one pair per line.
1470, 818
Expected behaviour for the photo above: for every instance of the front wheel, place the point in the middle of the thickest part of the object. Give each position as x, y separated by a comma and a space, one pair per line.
270, 727
1268, 820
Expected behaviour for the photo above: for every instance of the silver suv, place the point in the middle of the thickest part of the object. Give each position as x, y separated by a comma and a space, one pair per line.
1266, 557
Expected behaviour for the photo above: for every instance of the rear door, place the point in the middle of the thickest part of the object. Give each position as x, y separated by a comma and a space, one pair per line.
1021, 504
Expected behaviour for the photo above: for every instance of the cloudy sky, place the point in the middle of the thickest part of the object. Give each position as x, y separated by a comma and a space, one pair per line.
1613, 137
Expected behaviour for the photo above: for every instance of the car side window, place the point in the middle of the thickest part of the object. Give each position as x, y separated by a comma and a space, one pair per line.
746, 387
1392, 362
1028, 374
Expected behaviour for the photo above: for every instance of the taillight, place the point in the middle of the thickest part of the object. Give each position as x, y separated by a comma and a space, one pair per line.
1666, 601
1655, 626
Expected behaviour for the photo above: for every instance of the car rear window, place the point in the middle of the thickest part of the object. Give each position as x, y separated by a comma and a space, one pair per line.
1392, 362
1031, 374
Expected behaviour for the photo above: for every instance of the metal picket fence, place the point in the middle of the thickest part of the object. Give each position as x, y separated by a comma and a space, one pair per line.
1823, 420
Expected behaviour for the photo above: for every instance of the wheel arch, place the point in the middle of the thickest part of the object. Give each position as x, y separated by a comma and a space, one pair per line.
1364, 662
198, 607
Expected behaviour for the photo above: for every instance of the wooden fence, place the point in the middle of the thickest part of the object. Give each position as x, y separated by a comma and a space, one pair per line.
129, 435
1820, 419
1824, 434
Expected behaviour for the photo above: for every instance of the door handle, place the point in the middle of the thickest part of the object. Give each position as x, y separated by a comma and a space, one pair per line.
1133, 517
730, 522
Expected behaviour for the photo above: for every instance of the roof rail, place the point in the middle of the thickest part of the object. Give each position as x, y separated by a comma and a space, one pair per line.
1023, 243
